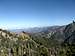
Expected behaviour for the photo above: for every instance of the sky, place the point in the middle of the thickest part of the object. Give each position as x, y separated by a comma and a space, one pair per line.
16, 14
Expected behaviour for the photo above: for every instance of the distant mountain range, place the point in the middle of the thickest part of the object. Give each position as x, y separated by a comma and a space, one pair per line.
39, 29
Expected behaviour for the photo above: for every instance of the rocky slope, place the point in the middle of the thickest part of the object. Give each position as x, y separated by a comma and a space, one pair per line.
12, 44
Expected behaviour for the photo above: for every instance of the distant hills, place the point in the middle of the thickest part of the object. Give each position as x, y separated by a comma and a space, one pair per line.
39, 29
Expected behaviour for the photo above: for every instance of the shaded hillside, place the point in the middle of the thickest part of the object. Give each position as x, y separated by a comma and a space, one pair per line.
70, 33
69, 42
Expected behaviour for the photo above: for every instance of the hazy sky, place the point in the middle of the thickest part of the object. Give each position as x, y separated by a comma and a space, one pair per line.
35, 13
